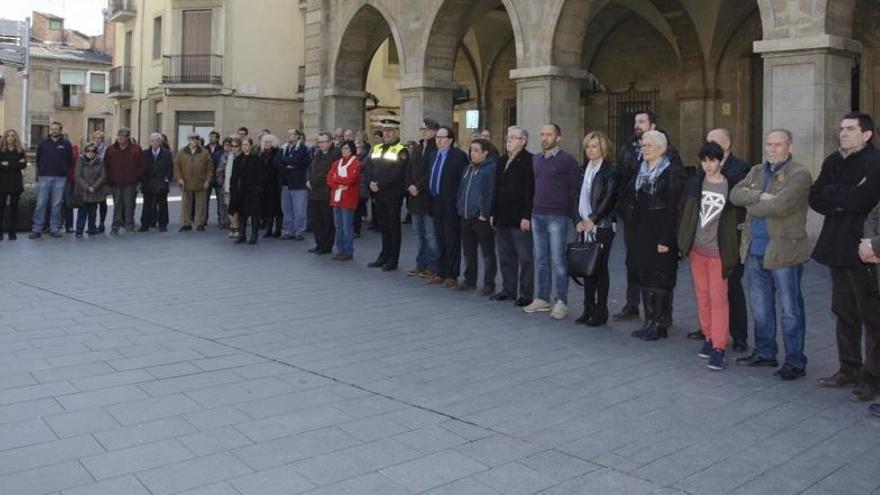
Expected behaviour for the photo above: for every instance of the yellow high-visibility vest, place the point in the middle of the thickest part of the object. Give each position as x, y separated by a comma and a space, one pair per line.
391, 153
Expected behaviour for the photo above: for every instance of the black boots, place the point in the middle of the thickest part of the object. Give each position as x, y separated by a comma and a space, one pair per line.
255, 231
648, 303
586, 315
599, 317
662, 316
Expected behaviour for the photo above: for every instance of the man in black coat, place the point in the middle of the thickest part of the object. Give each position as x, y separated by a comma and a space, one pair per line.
388, 164
734, 169
418, 203
512, 215
444, 175
319, 211
845, 192
158, 173
629, 159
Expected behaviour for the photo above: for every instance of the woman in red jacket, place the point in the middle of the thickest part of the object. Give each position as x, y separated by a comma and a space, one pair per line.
344, 181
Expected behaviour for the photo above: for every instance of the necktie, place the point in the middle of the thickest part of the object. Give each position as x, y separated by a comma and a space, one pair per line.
435, 174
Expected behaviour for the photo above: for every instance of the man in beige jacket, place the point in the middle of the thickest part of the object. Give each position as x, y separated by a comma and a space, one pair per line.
192, 170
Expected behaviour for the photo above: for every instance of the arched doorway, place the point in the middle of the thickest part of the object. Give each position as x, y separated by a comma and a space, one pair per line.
366, 59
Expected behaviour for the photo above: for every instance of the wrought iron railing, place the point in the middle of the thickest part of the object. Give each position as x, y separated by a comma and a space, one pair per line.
193, 69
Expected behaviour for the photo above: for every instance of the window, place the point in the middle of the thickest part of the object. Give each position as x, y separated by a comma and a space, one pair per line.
55, 25
157, 37
73, 84
39, 132
95, 125
97, 82
126, 118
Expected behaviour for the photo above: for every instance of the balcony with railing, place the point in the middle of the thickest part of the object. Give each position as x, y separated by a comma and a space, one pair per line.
192, 71
121, 85
120, 10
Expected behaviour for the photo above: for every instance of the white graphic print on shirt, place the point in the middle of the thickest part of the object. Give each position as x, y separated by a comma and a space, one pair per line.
711, 205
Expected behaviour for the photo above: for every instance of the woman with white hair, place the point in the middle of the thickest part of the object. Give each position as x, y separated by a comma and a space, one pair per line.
653, 195
272, 215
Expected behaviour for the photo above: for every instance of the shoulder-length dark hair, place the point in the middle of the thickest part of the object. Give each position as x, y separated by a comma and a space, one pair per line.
351, 146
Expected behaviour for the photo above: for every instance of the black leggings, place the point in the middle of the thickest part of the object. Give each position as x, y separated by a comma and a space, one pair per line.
13, 212
596, 287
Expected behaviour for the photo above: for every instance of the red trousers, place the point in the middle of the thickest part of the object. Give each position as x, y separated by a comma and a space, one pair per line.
710, 289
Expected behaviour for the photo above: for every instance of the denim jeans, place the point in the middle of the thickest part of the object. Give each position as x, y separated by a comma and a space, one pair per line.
293, 207
765, 286
50, 193
87, 212
428, 254
343, 219
550, 234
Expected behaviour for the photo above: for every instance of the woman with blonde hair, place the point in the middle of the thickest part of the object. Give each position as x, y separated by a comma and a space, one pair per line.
12, 162
598, 198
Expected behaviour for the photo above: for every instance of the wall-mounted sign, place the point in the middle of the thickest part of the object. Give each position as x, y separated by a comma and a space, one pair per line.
472, 119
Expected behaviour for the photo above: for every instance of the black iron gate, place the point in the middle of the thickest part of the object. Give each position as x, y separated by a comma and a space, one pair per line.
622, 108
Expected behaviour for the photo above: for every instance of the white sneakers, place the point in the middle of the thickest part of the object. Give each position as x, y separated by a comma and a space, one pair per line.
537, 306
558, 311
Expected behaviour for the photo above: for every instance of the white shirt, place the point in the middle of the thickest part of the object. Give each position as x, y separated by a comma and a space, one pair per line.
585, 208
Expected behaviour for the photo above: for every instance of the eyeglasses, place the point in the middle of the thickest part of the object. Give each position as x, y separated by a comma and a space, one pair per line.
236, 146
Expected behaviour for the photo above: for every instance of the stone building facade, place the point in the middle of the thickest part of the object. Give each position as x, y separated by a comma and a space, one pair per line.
184, 66
750, 65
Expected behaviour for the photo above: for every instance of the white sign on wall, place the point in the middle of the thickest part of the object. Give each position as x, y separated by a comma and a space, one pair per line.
472, 119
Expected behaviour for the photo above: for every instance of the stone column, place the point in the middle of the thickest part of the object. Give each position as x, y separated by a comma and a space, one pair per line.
420, 100
316, 27
695, 119
342, 108
807, 89
550, 94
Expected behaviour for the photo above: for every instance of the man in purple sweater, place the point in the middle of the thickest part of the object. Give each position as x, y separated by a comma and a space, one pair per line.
557, 181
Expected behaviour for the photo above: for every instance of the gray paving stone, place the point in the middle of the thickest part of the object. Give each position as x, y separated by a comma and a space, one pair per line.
372, 428
134, 459
285, 450
283, 480
432, 471
30, 409
214, 441
240, 392
143, 433
515, 479
557, 465
154, 408
79, 422
114, 379
368, 483
23, 433
212, 489
498, 450
192, 473
188, 383
216, 418
355, 461
291, 423
603, 481
127, 485
45, 479
47, 453
99, 398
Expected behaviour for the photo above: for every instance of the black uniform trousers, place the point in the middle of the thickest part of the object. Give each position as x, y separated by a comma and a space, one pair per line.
447, 228
736, 298
155, 210
855, 301
388, 215
321, 218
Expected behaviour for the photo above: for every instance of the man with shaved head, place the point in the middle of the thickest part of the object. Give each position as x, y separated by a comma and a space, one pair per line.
734, 170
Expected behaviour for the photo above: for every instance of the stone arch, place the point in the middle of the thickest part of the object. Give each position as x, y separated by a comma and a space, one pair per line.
787, 19
451, 21
570, 30
365, 30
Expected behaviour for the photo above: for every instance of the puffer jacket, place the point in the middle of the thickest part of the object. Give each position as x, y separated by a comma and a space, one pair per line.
90, 174
476, 190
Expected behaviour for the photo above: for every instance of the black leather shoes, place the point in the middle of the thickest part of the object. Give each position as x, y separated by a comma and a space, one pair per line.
740, 346
837, 380
522, 302
788, 373
627, 313
863, 393
696, 335
376, 264
754, 360
389, 268
500, 297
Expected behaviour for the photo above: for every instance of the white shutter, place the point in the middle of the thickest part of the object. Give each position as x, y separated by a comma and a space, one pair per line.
73, 77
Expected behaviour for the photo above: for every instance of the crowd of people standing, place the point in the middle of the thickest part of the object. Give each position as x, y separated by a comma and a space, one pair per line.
518, 212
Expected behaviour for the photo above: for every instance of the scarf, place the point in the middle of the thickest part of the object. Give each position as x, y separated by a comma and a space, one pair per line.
649, 176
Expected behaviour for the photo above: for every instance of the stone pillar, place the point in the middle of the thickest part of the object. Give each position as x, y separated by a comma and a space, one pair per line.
550, 94
316, 27
695, 109
807, 89
341, 108
419, 100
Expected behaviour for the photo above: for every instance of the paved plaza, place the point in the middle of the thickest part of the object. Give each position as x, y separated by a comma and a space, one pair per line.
180, 363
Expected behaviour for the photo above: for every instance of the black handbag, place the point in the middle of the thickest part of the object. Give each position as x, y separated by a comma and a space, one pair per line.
582, 257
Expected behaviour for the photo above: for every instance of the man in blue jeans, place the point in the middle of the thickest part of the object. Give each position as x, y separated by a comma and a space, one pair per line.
54, 159
554, 210
775, 248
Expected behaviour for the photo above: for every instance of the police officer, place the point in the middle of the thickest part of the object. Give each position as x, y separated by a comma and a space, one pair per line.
388, 162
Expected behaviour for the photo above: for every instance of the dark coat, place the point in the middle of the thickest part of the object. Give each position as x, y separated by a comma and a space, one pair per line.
54, 158
292, 162
247, 185
318, 170
416, 174
158, 172
272, 194
845, 192
124, 166
729, 233
387, 170
514, 190
453, 169
11, 165
654, 221
629, 160
603, 194
90, 174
